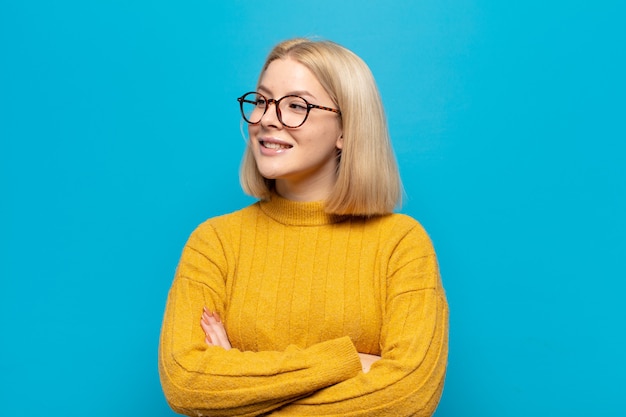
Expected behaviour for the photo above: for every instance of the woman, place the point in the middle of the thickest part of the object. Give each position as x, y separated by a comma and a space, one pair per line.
316, 300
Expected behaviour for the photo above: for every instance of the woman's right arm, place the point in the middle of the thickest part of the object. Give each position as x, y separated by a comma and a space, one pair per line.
199, 379
215, 333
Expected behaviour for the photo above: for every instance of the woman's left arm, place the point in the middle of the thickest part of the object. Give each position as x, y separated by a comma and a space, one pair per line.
408, 379
215, 335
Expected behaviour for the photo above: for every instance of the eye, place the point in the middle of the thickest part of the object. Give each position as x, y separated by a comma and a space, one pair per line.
297, 104
260, 102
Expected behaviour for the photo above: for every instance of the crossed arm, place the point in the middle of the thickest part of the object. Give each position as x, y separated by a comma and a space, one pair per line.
215, 333
200, 373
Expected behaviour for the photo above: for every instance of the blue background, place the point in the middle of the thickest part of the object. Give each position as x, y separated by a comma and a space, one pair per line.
120, 132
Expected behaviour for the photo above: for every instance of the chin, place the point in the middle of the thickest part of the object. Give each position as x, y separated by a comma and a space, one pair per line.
269, 171
268, 174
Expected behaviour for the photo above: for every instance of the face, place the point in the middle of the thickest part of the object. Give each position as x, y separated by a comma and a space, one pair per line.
302, 160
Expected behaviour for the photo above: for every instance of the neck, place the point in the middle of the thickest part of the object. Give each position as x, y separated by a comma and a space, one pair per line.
297, 213
306, 190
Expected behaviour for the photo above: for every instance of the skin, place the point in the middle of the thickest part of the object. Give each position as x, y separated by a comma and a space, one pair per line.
215, 335
305, 170
304, 165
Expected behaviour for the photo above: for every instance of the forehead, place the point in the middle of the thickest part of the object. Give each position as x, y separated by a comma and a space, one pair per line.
286, 76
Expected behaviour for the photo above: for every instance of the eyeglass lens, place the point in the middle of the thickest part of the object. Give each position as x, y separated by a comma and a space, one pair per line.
291, 110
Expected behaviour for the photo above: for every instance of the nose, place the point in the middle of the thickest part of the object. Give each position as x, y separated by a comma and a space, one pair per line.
270, 117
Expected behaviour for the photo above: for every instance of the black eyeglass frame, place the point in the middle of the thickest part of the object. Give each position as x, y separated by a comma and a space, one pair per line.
269, 101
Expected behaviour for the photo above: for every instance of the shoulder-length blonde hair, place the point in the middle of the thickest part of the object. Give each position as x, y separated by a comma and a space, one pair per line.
368, 182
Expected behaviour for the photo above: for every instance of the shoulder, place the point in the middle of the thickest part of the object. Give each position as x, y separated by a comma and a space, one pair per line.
401, 230
399, 224
224, 224
227, 219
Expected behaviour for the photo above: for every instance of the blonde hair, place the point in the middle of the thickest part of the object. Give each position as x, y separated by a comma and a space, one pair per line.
368, 182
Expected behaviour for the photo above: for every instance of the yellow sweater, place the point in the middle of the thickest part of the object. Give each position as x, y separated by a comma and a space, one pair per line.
300, 293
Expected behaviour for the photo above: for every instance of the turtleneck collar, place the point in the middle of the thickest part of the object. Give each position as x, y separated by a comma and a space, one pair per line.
297, 213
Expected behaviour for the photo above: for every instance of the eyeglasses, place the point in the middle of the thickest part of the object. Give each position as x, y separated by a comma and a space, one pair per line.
292, 111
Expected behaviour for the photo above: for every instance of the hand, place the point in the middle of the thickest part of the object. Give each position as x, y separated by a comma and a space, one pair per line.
367, 360
214, 329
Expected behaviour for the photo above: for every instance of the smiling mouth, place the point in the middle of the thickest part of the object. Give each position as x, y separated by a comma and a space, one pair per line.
274, 145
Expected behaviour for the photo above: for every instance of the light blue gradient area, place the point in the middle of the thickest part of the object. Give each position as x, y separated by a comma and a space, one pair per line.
119, 133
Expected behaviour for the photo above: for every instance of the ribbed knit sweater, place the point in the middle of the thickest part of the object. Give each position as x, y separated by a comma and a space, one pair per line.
300, 292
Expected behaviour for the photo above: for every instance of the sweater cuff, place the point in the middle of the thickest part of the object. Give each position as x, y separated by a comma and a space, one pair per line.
337, 359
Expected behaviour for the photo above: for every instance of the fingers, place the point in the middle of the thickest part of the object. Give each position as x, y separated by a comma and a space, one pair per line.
217, 330
207, 331
367, 361
208, 325
214, 329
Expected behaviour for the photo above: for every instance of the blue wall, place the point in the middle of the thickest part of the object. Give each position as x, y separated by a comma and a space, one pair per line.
119, 133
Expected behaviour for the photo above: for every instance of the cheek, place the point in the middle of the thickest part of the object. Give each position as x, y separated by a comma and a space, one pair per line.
331, 136
252, 130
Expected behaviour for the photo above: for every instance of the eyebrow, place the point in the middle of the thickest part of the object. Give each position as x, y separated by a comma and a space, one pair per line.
290, 93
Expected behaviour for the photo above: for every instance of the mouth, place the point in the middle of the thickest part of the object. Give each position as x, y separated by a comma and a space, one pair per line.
274, 145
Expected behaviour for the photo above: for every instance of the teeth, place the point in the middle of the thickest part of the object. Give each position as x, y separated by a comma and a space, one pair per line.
271, 145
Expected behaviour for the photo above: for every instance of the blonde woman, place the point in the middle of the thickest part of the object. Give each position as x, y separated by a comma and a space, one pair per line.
317, 300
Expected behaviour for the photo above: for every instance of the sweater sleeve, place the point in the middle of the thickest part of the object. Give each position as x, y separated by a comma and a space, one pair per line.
198, 379
408, 380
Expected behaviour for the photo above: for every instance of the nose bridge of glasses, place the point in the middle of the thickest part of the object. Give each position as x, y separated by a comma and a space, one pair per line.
276, 104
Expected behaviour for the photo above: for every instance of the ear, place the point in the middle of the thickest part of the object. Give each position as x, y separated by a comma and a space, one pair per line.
339, 142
